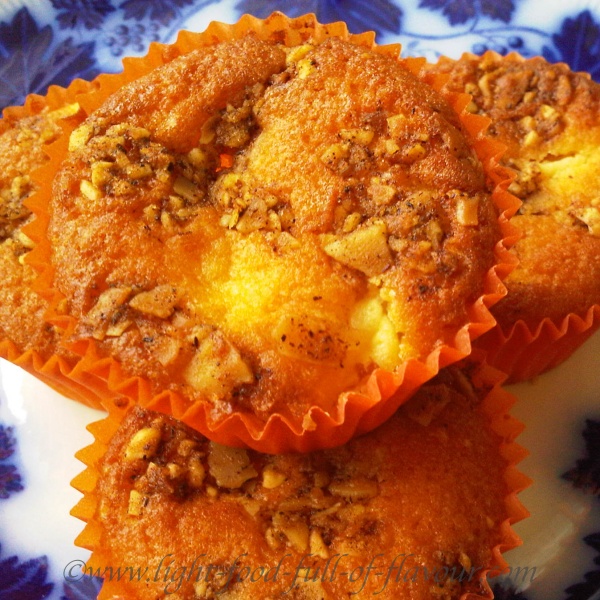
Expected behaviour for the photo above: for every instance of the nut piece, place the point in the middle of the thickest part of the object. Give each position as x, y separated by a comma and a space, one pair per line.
351, 222
89, 190
101, 172
119, 328
381, 193
138, 171
143, 444
272, 478
106, 306
361, 137
69, 110
355, 489
217, 367
158, 302
186, 189
230, 467
24, 239
80, 137
196, 472
466, 210
136, 503
296, 531
305, 67
365, 249
333, 154
317, 545
414, 153
297, 53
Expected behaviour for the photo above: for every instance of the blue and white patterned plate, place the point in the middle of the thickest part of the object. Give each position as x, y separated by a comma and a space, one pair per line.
54, 41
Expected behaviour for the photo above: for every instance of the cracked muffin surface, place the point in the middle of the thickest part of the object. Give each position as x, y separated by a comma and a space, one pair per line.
276, 225
549, 118
422, 494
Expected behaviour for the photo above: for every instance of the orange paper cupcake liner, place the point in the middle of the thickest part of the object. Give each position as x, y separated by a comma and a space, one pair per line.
525, 352
495, 405
357, 411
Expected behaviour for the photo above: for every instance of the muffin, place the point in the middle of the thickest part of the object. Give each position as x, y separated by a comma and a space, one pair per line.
271, 226
549, 119
419, 508
25, 337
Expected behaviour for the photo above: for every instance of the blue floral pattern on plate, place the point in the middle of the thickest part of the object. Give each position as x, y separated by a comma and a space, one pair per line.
10, 479
54, 41
35, 54
30, 61
459, 12
24, 580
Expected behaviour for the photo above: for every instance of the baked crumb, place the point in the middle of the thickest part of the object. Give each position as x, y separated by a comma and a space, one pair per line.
359, 504
548, 117
208, 222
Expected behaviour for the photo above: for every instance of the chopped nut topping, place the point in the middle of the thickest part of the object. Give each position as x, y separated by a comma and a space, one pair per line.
138, 133
89, 190
119, 328
254, 217
272, 478
295, 530
136, 503
185, 447
196, 472
166, 458
24, 239
143, 444
362, 137
467, 210
217, 367
186, 189
414, 152
107, 305
532, 138
230, 467
297, 53
351, 222
317, 545
199, 158
355, 489
391, 147
365, 249
101, 173
139, 171
208, 131
332, 155
166, 349
159, 302
252, 507
381, 192
305, 68
80, 136
397, 125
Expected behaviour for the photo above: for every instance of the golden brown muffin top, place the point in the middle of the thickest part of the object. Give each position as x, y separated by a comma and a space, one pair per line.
260, 227
549, 118
22, 141
422, 494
